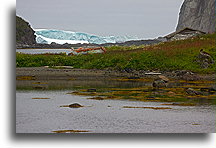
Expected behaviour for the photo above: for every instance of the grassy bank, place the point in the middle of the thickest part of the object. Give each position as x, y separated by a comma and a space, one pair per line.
176, 55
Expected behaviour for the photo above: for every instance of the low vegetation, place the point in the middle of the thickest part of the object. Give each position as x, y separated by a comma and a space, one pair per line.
175, 55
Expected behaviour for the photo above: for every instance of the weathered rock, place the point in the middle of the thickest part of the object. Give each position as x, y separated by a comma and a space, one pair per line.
24, 33
197, 14
192, 92
204, 59
161, 81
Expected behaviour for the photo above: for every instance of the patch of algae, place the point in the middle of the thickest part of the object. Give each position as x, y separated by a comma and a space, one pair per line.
135, 79
25, 78
70, 131
155, 108
40, 98
148, 94
180, 104
84, 93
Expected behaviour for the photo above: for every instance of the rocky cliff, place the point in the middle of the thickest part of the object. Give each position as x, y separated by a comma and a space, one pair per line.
24, 32
197, 14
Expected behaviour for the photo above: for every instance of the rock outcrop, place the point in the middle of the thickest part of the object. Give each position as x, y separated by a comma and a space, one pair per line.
198, 15
24, 33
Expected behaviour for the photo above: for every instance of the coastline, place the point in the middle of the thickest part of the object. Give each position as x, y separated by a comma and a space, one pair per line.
65, 73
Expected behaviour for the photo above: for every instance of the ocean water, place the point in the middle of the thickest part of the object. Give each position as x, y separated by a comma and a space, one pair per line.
106, 116
102, 116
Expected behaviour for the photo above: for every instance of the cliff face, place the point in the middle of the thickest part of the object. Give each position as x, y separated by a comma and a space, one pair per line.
24, 32
197, 14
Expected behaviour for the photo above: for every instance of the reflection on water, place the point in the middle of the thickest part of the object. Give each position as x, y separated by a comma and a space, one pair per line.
144, 112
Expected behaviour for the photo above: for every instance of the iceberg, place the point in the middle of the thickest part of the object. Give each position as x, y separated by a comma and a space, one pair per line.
47, 36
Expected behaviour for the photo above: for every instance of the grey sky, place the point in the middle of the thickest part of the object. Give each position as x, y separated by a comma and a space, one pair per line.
141, 18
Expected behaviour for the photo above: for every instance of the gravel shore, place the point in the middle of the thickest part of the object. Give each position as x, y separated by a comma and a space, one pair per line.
67, 73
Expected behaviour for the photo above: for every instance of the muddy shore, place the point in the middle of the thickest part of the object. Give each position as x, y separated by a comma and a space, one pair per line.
46, 73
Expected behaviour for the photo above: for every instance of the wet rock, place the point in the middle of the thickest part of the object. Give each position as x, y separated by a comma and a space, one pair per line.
91, 90
212, 88
161, 81
75, 105
159, 84
192, 92
186, 75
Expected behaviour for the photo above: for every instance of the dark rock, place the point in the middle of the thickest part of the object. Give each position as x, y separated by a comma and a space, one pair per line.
212, 88
158, 83
128, 70
91, 90
24, 33
192, 92
75, 105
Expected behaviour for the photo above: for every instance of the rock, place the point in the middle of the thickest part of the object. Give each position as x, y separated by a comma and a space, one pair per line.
198, 15
91, 90
186, 75
165, 79
204, 59
161, 81
75, 105
158, 83
192, 92
212, 88
24, 33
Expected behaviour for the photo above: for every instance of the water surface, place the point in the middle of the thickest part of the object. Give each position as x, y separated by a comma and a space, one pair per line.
103, 116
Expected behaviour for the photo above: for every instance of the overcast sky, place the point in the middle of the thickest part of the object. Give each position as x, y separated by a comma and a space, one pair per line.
140, 18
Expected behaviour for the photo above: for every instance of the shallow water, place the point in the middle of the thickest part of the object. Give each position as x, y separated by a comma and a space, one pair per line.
106, 116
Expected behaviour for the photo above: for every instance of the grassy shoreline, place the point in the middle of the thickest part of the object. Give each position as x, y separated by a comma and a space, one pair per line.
167, 56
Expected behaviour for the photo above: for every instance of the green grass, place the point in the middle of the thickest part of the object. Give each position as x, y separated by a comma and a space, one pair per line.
176, 55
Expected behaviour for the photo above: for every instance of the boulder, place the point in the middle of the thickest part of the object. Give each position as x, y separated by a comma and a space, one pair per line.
159, 84
204, 59
75, 105
198, 15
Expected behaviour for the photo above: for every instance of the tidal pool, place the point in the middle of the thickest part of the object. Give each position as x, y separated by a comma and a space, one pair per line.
105, 116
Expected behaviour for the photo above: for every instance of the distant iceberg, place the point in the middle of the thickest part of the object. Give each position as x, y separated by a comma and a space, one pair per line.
47, 36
